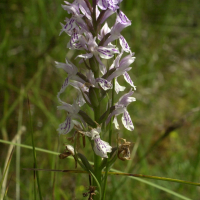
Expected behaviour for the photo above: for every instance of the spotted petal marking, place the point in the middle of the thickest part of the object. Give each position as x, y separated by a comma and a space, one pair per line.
66, 126
122, 18
124, 44
64, 86
103, 4
101, 148
107, 53
74, 42
127, 122
70, 25
128, 80
106, 85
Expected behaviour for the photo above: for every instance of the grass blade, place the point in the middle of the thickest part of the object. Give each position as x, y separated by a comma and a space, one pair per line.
80, 171
5, 172
155, 178
34, 156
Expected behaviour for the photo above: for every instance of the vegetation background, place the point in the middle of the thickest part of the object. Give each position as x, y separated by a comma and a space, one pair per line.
165, 38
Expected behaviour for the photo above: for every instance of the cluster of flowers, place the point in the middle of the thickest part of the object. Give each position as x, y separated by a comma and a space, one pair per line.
89, 32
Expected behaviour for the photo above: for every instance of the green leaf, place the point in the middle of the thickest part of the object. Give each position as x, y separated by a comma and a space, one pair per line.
85, 162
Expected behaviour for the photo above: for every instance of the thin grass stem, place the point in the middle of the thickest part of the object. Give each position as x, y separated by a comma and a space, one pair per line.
34, 153
3, 180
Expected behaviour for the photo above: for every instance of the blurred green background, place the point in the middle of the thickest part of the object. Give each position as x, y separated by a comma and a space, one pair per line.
165, 38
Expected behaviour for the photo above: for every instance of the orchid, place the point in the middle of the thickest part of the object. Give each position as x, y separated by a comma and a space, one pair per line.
96, 82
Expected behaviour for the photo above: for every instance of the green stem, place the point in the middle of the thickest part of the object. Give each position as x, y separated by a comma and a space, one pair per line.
97, 171
97, 159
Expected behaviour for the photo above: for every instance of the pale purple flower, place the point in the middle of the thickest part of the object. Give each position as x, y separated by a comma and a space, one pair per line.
77, 40
109, 4
75, 20
101, 148
121, 69
121, 22
124, 44
121, 108
98, 51
83, 8
71, 119
71, 8
104, 30
82, 89
105, 84
72, 70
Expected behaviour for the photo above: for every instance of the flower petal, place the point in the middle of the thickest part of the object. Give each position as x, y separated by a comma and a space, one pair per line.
124, 44
65, 106
128, 80
104, 30
69, 26
107, 14
115, 122
107, 52
101, 148
85, 56
64, 86
122, 18
66, 126
126, 99
85, 11
103, 69
103, 4
126, 120
126, 61
80, 100
106, 85
118, 87
69, 67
